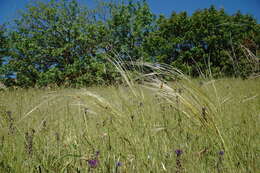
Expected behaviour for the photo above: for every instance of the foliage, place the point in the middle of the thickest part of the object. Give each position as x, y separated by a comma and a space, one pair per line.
4, 48
210, 39
64, 43
56, 42
129, 26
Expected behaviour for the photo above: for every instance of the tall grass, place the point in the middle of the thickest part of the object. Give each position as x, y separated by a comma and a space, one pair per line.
144, 125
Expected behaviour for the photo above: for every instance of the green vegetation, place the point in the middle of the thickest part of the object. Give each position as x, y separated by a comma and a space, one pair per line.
3, 45
185, 126
157, 94
62, 43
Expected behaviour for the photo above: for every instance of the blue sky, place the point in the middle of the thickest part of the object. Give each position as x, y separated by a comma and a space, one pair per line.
8, 8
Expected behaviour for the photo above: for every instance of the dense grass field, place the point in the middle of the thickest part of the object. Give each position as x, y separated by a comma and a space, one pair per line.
191, 126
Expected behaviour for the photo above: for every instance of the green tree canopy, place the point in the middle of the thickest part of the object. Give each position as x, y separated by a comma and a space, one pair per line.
62, 42
3, 44
210, 39
54, 42
129, 25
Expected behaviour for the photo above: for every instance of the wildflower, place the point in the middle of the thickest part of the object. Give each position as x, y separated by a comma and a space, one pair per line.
220, 161
118, 164
179, 167
97, 154
221, 153
178, 152
93, 163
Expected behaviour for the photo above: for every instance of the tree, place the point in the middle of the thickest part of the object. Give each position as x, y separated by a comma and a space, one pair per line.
56, 42
169, 42
210, 39
3, 44
129, 24
63, 43
4, 51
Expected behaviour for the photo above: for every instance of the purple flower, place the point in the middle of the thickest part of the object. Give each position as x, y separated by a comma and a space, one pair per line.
221, 153
178, 160
220, 161
118, 164
97, 153
93, 163
178, 152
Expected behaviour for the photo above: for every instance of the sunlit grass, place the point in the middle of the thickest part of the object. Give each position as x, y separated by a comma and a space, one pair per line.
141, 131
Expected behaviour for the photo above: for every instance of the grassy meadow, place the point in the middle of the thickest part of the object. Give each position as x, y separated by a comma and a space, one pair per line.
188, 125
142, 117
